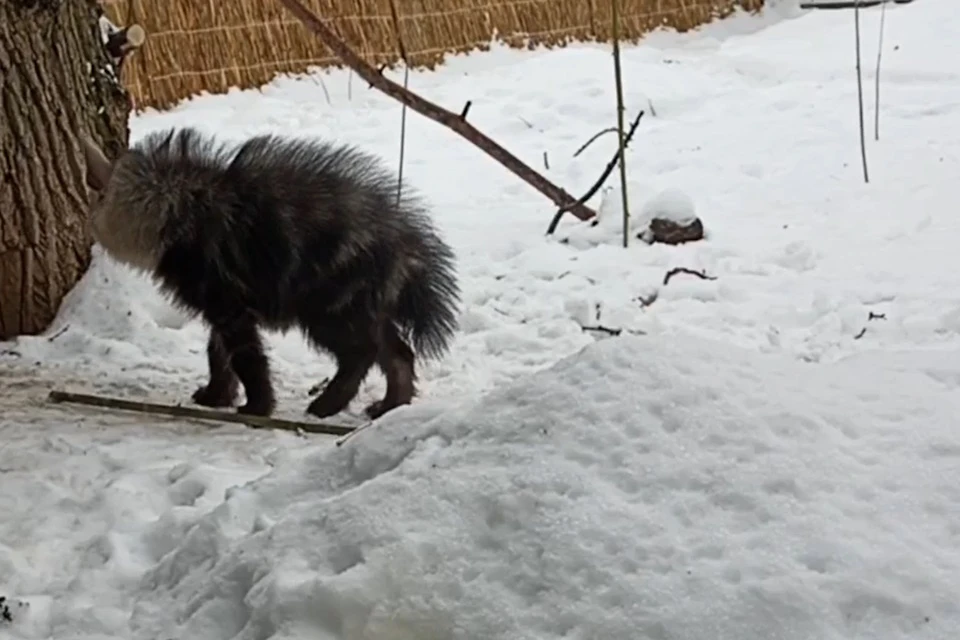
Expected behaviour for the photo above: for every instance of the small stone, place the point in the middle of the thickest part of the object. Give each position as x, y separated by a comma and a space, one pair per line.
673, 218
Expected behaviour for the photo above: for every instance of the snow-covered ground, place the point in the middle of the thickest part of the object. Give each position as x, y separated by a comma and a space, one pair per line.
773, 453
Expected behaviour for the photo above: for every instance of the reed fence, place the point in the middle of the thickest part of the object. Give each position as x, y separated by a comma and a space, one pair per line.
213, 45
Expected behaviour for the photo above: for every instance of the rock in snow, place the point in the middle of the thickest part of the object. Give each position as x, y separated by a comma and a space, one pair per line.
673, 218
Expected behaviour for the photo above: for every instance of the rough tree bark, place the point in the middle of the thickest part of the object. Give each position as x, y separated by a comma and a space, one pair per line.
55, 81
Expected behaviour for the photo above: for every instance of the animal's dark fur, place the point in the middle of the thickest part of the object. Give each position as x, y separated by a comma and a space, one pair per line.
277, 234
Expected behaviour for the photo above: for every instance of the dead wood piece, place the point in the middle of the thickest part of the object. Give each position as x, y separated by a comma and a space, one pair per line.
692, 272
255, 422
603, 177
436, 113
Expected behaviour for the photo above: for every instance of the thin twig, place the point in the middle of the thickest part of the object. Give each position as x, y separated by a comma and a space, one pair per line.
317, 388
436, 113
615, 8
863, 140
691, 272
403, 134
326, 93
356, 431
406, 82
59, 333
592, 139
255, 422
603, 176
876, 89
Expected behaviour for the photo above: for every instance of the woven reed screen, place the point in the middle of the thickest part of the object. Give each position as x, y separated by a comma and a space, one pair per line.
212, 45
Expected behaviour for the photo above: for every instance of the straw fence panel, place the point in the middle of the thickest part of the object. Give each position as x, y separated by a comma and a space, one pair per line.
213, 45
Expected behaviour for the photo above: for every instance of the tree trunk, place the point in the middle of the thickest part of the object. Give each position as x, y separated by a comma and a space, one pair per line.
55, 82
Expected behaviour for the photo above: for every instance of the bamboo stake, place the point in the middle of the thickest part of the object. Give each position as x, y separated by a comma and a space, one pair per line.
863, 141
254, 422
615, 8
406, 87
876, 91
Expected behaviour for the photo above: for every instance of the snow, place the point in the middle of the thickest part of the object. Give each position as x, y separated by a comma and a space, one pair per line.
671, 204
768, 452
681, 499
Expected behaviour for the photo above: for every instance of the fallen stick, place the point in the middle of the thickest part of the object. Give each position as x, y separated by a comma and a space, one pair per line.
453, 121
255, 422
691, 272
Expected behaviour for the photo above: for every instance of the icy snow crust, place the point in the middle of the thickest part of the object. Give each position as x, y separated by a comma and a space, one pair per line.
777, 457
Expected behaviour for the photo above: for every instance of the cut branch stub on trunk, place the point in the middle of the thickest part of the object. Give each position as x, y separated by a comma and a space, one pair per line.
453, 121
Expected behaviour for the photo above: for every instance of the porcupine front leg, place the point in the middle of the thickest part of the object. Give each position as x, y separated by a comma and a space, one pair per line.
395, 359
223, 385
241, 340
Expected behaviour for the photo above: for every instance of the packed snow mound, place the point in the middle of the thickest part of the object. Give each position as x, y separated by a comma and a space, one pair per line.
642, 488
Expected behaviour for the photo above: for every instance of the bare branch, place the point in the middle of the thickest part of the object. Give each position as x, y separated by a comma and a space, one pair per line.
436, 113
